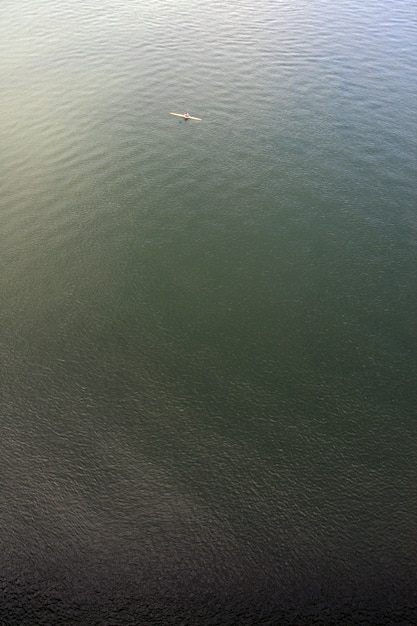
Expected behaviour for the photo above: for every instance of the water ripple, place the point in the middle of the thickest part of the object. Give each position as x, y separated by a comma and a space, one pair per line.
207, 329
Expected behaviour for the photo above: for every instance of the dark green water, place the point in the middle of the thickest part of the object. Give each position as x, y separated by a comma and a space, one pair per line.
208, 329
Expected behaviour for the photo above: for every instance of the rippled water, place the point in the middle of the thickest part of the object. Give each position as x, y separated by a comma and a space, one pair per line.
208, 330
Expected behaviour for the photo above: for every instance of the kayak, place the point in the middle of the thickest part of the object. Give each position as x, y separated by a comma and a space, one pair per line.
187, 117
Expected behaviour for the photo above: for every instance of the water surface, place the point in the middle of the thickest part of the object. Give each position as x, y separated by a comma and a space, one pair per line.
208, 330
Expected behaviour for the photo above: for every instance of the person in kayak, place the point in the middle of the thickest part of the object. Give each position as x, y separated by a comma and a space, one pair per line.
186, 115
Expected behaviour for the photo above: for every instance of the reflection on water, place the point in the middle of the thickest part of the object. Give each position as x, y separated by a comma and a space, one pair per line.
207, 330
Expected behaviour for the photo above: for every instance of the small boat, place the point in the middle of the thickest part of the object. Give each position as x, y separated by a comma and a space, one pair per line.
187, 116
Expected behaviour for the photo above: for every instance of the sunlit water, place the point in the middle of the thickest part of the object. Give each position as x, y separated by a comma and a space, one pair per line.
208, 329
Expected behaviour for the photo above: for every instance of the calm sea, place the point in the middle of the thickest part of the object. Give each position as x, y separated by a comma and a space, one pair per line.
208, 330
